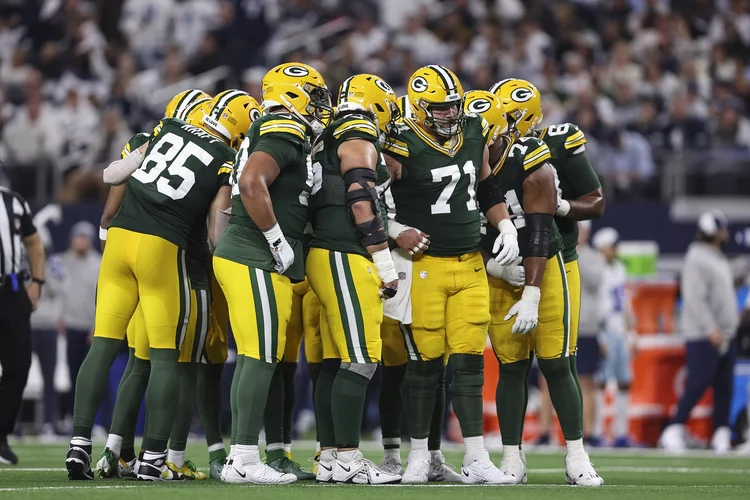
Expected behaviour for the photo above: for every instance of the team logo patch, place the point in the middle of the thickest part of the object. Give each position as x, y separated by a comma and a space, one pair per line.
479, 105
254, 114
383, 86
423, 275
296, 71
521, 94
419, 84
402, 276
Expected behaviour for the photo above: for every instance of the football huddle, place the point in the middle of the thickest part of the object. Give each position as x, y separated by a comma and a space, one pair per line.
375, 230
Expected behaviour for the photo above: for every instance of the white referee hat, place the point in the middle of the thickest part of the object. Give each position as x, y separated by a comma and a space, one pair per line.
605, 237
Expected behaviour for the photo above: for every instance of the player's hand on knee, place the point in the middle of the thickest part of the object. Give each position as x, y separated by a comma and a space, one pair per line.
280, 249
514, 274
413, 241
505, 248
526, 310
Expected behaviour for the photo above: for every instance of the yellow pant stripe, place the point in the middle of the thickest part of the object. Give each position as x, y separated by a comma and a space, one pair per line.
267, 320
201, 325
349, 306
566, 306
411, 346
184, 299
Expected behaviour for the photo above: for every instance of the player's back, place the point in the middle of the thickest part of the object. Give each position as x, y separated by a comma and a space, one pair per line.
524, 157
182, 170
438, 185
332, 225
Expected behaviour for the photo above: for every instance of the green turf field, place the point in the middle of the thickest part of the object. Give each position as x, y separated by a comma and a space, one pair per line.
629, 474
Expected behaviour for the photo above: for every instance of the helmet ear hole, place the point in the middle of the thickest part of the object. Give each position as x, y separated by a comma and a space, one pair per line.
379, 108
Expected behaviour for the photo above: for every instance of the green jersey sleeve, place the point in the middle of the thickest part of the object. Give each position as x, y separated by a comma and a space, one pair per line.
134, 143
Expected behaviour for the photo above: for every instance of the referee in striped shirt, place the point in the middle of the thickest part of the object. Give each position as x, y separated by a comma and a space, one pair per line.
18, 238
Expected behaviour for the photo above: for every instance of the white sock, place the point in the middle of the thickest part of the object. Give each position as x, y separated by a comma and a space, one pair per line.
274, 447
575, 447
248, 452
599, 418
419, 449
152, 455
176, 457
216, 447
232, 448
288, 448
328, 455
317, 446
346, 456
621, 414
473, 444
511, 452
80, 441
393, 453
114, 443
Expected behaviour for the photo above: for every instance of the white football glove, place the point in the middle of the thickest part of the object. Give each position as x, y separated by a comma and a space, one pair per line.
513, 274
527, 310
280, 249
386, 272
505, 248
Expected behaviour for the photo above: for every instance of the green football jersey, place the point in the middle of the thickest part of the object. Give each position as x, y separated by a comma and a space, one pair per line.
524, 157
577, 177
197, 253
283, 137
333, 228
437, 189
171, 192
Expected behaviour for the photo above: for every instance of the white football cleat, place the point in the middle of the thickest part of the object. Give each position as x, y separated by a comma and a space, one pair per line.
513, 469
392, 465
673, 438
580, 471
417, 468
362, 471
722, 440
440, 471
324, 473
479, 469
236, 471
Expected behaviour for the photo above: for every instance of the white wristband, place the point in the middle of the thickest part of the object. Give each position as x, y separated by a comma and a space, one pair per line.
384, 265
563, 208
273, 234
505, 226
531, 294
102, 234
396, 229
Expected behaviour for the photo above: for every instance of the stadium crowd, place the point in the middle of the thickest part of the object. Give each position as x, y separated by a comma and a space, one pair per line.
647, 80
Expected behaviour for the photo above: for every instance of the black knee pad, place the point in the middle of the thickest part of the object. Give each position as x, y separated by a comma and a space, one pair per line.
424, 374
330, 366
468, 374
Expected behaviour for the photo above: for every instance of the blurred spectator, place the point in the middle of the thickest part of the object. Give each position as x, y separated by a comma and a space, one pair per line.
80, 265
732, 128
425, 46
709, 324
146, 24
192, 20
626, 164
681, 130
45, 329
111, 138
79, 124
367, 39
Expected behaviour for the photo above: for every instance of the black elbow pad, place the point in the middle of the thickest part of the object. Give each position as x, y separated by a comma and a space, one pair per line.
539, 231
373, 231
488, 194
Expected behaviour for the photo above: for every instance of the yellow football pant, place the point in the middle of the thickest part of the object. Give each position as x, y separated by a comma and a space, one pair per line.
148, 270
304, 323
349, 292
217, 342
394, 349
449, 306
260, 304
551, 338
574, 291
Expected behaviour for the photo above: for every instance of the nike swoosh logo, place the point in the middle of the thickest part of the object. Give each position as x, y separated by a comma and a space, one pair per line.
329, 469
465, 473
242, 474
476, 270
347, 469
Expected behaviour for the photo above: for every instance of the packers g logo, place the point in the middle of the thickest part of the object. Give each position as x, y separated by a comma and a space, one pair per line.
296, 71
419, 84
521, 94
383, 86
254, 114
479, 106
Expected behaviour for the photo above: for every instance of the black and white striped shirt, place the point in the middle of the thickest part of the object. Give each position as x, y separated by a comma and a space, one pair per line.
15, 225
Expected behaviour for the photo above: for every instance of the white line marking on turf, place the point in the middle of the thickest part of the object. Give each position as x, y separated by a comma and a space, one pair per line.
31, 469
38, 488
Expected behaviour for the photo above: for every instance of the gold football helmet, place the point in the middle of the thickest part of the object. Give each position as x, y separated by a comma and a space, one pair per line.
229, 116
487, 105
182, 103
522, 103
436, 89
370, 93
301, 90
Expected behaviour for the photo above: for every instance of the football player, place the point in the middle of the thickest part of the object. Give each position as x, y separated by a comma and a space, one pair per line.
350, 269
260, 253
304, 322
179, 177
443, 181
537, 315
118, 457
393, 366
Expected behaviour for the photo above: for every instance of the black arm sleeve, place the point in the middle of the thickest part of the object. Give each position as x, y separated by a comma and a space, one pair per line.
539, 230
489, 194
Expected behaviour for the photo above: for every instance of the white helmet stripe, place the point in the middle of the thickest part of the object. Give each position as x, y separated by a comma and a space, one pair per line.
499, 84
185, 103
446, 76
224, 101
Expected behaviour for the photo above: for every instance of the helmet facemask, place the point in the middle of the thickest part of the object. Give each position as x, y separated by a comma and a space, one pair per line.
444, 127
318, 111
